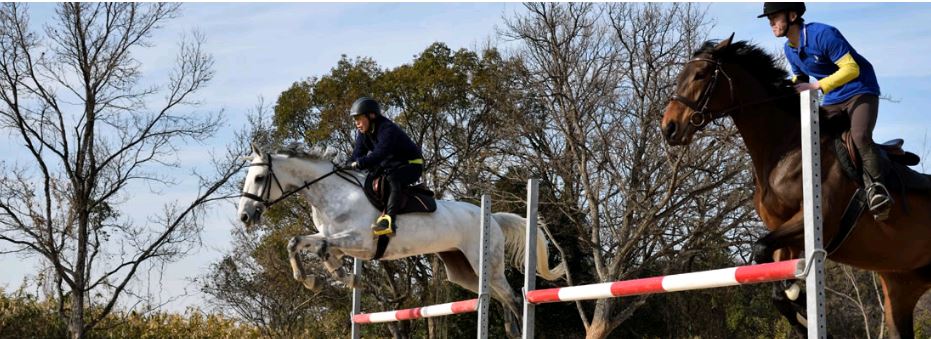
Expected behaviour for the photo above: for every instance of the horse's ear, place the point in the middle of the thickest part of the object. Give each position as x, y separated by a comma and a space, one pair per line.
724, 43
255, 150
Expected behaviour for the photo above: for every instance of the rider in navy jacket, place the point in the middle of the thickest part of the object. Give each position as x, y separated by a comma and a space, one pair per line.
382, 145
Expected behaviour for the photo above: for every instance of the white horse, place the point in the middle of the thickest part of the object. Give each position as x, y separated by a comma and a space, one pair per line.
343, 215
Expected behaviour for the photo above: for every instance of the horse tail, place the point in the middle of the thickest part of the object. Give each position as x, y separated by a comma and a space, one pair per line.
514, 227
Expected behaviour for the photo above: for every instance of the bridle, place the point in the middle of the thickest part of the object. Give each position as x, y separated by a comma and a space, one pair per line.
701, 113
267, 185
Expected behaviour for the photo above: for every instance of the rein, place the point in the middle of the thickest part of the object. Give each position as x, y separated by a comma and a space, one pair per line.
701, 113
266, 187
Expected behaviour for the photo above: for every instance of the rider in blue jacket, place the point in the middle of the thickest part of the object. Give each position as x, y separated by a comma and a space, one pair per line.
382, 145
844, 76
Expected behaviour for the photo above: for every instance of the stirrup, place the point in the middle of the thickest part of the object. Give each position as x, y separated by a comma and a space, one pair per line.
879, 201
383, 225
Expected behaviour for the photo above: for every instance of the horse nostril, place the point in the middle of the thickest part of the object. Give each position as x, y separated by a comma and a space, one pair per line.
244, 217
670, 131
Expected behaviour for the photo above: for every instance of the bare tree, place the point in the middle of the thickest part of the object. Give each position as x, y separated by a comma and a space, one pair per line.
597, 79
857, 304
73, 97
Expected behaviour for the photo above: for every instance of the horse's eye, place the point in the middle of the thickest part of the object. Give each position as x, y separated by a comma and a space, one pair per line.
259, 178
700, 75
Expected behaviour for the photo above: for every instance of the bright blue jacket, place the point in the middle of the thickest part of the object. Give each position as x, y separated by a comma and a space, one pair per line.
821, 47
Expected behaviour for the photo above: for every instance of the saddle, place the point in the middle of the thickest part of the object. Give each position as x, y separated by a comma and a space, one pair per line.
414, 199
895, 162
892, 150
897, 175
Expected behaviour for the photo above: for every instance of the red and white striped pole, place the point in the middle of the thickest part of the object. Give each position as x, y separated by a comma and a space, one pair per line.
741, 275
465, 306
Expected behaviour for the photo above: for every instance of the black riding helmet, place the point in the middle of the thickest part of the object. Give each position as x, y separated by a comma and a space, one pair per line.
364, 105
776, 7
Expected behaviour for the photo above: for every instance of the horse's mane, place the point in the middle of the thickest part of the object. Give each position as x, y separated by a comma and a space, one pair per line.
317, 152
761, 65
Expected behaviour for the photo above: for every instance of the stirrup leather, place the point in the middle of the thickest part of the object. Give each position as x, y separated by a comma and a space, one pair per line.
383, 225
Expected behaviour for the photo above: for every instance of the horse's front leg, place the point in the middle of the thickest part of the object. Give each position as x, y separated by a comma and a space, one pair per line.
351, 242
334, 265
787, 237
315, 243
783, 244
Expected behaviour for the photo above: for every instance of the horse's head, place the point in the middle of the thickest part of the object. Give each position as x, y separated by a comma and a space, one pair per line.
259, 187
703, 92
275, 177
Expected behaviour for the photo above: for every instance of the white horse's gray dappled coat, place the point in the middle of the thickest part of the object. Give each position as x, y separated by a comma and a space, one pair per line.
343, 215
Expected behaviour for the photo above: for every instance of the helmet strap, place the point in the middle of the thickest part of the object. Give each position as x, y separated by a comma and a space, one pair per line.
785, 31
373, 119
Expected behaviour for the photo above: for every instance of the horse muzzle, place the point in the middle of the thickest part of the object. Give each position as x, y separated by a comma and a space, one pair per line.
251, 218
676, 134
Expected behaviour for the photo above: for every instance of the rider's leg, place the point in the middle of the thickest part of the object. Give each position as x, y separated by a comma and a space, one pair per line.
863, 113
398, 179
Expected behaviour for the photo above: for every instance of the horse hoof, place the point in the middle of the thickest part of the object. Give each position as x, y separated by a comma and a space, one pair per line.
761, 253
311, 283
352, 281
793, 292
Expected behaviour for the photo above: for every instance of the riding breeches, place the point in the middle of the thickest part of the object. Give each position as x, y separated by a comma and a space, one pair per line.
399, 178
862, 110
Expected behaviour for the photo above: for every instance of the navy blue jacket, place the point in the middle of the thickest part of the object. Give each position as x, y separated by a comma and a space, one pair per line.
386, 143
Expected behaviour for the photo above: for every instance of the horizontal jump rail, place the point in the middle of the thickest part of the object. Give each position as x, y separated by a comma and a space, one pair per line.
741, 275
458, 307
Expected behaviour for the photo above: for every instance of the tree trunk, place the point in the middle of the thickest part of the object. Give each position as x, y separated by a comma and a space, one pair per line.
76, 325
601, 324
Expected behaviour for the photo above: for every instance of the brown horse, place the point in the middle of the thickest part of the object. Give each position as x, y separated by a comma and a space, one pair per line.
742, 81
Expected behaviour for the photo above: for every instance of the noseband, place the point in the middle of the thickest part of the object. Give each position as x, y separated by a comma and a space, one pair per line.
266, 186
701, 113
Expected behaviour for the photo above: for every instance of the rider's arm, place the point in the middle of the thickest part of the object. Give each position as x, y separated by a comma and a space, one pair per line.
847, 69
834, 46
386, 136
359, 151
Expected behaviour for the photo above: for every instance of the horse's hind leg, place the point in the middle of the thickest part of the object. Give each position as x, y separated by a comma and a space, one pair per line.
902, 291
502, 291
459, 271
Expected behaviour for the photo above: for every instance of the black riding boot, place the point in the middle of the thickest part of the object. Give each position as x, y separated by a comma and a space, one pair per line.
878, 197
398, 178
386, 223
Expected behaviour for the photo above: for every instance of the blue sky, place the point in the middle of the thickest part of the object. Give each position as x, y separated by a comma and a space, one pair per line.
261, 49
